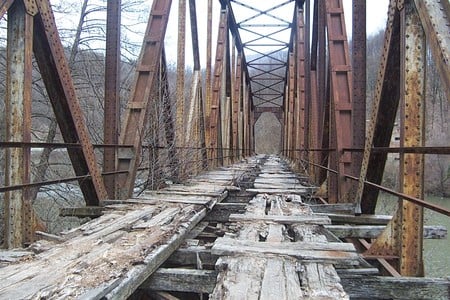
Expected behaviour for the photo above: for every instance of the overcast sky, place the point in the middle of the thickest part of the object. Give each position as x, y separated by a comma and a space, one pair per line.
376, 21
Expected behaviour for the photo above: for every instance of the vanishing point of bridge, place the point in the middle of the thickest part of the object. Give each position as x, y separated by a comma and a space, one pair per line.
231, 224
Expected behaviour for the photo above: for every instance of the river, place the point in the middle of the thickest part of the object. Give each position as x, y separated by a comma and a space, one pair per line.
436, 251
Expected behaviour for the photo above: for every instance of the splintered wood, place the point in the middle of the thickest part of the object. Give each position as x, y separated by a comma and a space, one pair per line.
279, 253
109, 257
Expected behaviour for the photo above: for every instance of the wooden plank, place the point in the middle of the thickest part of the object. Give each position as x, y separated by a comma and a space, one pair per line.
298, 191
361, 219
384, 287
302, 251
239, 278
373, 231
181, 280
280, 280
333, 208
320, 281
305, 219
81, 212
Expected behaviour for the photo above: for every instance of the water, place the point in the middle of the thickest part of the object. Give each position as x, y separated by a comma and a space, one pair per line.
436, 251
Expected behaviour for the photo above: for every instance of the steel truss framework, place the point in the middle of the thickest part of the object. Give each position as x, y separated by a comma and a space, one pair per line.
307, 80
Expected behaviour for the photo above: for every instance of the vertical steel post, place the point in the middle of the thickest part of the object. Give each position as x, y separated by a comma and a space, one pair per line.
112, 94
341, 103
359, 36
412, 134
208, 77
181, 45
18, 209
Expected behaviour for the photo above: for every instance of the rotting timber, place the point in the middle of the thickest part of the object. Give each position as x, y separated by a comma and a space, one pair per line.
249, 225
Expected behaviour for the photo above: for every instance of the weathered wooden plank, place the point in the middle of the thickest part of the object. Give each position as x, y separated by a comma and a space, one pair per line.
280, 247
303, 219
304, 252
181, 280
137, 275
298, 191
320, 281
81, 212
383, 287
333, 208
373, 231
239, 278
361, 219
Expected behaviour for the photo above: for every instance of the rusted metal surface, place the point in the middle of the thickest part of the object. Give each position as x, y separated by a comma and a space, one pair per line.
384, 109
412, 134
236, 106
208, 82
215, 112
136, 112
50, 57
435, 18
300, 112
359, 36
18, 210
341, 102
112, 94
180, 120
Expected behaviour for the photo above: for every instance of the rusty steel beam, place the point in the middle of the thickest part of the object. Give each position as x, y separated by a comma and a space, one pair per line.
18, 209
136, 112
322, 89
307, 75
291, 102
412, 134
215, 112
359, 36
180, 129
435, 17
112, 93
50, 57
341, 102
236, 105
300, 104
208, 79
384, 109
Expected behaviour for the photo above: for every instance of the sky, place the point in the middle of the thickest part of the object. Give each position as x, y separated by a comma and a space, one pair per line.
376, 21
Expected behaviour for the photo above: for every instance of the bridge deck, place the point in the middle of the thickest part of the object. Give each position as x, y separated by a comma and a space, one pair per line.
249, 231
